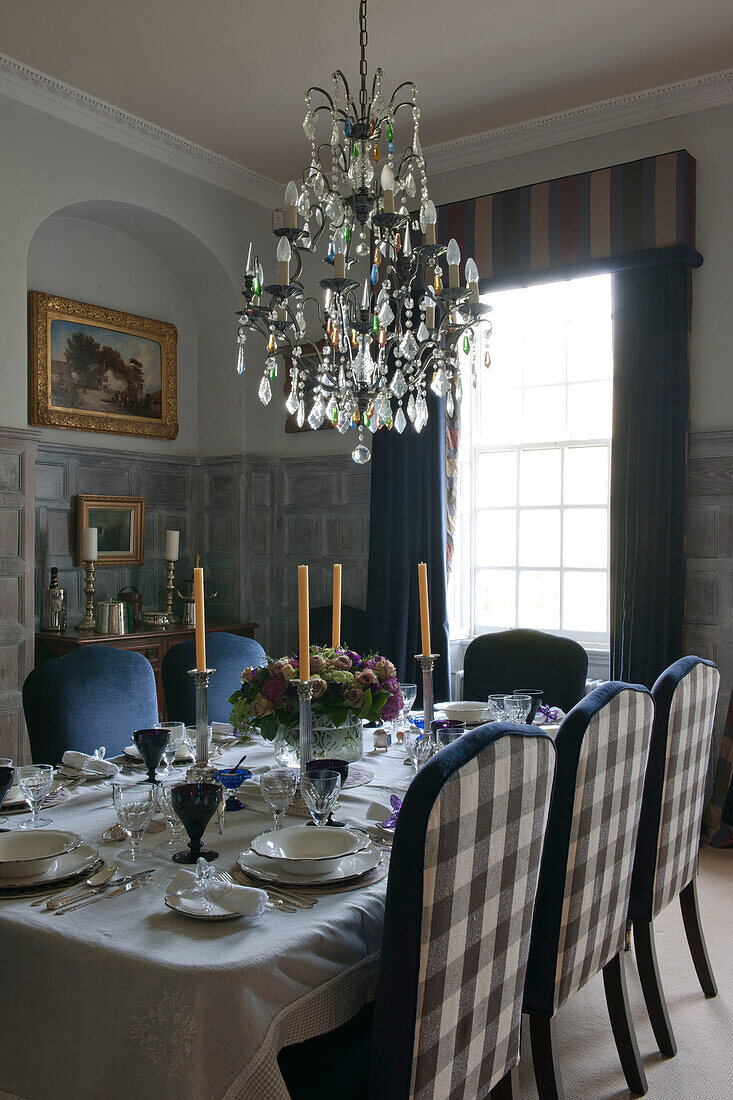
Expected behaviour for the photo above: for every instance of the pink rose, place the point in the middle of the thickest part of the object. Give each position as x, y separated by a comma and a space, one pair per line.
366, 678
289, 673
354, 696
248, 674
261, 707
384, 669
320, 687
317, 664
342, 661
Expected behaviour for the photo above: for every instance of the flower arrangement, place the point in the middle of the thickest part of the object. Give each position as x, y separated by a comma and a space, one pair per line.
346, 687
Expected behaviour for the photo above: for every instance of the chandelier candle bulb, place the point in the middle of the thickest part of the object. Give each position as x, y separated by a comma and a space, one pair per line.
291, 205
303, 623
172, 544
89, 544
339, 259
431, 219
453, 256
284, 253
250, 268
198, 596
336, 623
387, 181
472, 278
422, 576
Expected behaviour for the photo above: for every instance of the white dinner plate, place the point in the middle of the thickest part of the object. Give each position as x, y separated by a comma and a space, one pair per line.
73, 863
134, 753
14, 799
351, 867
190, 908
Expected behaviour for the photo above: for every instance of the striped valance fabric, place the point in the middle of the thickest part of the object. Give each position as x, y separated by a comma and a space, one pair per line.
618, 214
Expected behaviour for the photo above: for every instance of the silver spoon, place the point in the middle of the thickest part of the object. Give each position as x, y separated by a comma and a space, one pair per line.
101, 876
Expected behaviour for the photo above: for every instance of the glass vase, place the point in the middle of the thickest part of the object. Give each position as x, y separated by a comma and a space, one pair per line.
344, 742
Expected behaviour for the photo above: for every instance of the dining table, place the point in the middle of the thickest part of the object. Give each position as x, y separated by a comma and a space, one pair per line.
127, 998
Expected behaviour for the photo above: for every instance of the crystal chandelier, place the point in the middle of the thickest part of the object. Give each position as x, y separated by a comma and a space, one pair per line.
384, 342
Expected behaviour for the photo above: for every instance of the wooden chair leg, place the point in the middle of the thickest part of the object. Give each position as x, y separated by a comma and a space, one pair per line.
543, 1040
508, 1087
622, 1024
651, 985
695, 938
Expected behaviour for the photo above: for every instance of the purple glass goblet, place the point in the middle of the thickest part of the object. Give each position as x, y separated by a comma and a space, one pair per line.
195, 804
152, 744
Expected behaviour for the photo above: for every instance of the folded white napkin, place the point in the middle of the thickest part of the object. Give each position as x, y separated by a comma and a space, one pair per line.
244, 900
92, 764
222, 729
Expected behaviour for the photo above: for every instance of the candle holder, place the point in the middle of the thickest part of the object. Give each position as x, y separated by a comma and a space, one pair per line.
169, 590
305, 694
202, 770
427, 663
88, 623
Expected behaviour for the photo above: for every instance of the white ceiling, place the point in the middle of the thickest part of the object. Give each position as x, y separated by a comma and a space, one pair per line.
230, 74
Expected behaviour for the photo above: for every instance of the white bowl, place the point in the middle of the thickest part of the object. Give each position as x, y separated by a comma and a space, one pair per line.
466, 710
309, 851
25, 854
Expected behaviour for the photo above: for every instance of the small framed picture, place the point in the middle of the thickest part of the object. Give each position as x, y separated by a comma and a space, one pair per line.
120, 523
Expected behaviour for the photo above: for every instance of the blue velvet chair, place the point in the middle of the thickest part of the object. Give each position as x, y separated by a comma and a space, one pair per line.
579, 926
665, 866
228, 654
499, 663
353, 627
95, 696
458, 911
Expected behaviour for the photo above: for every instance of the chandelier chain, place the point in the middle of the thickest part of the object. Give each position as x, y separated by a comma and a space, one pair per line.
363, 41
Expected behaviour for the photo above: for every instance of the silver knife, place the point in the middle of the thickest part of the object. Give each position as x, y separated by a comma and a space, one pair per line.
77, 895
101, 897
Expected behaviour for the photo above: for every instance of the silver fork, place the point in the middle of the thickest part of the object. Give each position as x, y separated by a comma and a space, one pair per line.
275, 893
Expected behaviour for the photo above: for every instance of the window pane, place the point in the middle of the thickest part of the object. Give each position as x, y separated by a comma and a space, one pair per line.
496, 483
544, 414
585, 538
586, 475
585, 602
496, 537
539, 477
539, 600
589, 410
589, 349
544, 355
501, 416
539, 537
495, 597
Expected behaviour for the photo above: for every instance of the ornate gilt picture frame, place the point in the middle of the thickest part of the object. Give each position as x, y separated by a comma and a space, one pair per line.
120, 523
98, 370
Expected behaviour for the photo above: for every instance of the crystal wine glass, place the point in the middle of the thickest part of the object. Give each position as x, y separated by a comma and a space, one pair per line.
446, 730
517, 708
409, 694
165, 804
35, 782
277, 788
417, 748
495, 707
7, 774
177, 732
135, 806
320, 790
152, 744
195, 804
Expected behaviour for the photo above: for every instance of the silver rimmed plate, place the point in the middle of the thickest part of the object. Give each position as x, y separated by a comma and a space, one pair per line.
69, 866
189, 908
350, 868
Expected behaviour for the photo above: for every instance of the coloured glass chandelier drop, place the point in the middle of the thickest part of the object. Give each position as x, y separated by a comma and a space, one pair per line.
387, 323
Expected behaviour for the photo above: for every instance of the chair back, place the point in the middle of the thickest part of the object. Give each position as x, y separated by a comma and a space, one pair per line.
459, 904
228, 654
585, 880
94, 696
353, 627
674, 791
510, 659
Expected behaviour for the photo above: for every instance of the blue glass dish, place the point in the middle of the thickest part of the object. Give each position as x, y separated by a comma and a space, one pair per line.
232, 781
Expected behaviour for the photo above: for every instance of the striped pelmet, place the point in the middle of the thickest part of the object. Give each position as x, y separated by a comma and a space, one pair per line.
482, 855
639, 206
609, 786
690, 731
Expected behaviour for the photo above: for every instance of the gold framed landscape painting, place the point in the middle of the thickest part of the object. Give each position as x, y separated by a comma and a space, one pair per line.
120, 523
98, 370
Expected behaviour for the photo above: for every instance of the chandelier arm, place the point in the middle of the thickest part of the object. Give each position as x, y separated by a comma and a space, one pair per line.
325, 94
398, 89
347, 90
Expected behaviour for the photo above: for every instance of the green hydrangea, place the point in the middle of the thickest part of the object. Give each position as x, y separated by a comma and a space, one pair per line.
338, 676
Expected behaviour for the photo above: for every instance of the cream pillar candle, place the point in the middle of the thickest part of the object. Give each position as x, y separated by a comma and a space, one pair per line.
172, 543
89, 544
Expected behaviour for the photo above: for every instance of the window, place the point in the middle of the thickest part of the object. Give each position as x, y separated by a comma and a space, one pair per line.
532, 530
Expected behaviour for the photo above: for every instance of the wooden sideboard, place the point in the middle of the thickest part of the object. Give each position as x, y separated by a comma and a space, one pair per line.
153, 644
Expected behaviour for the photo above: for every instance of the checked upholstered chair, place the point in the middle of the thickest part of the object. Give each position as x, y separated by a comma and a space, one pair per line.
669, 832
458, 914
583, 892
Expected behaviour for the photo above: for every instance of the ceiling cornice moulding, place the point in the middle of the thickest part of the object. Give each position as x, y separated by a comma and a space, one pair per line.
36, 89
652, 105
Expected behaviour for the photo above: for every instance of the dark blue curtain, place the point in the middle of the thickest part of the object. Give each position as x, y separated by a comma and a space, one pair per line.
407, 526
651, 321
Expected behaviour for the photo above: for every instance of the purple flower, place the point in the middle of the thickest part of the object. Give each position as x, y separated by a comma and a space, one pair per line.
396, 804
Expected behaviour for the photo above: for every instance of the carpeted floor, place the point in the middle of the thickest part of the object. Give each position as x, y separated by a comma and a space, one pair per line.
703, 1066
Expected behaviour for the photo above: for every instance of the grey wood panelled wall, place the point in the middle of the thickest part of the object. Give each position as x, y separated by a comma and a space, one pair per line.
17, 456
709, 562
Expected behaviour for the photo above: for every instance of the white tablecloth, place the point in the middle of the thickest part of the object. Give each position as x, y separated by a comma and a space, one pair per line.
125, 998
